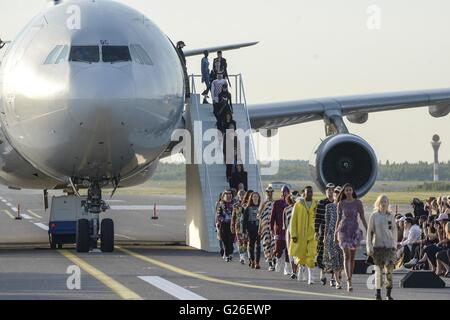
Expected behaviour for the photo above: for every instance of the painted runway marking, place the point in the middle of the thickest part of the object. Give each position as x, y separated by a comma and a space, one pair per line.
41, 225
112, 284
9, 214
14, 209
25, 216
34, 214
149, 208
171, 288
4, 201
190, 274
158, 225
124, 236
8, 204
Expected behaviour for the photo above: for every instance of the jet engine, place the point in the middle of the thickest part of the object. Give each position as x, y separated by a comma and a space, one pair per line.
345, 158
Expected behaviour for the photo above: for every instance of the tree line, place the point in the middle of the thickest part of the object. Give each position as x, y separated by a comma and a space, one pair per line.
299, 170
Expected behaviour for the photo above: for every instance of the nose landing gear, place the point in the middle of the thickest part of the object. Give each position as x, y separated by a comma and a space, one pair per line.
87, 231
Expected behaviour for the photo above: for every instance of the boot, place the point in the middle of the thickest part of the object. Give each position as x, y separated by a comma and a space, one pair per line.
388, 294
287, 269
311, 276
271, 266
242, 258
378, 295
253, 266
257, 266
277, 265
250, 262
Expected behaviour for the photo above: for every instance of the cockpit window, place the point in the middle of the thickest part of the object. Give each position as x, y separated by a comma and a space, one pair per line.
57, 55
62, 57
51, 58
115, 54
87, 54
140, 55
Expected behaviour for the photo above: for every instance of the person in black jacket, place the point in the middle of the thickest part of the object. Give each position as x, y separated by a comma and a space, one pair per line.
225, 102
225, 123
220, 65
251, 227
239, 176
180, 46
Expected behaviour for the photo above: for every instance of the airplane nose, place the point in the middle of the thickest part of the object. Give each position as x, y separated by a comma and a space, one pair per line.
102, 83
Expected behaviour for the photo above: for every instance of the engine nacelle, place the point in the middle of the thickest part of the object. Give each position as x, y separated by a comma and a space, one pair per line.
345, 158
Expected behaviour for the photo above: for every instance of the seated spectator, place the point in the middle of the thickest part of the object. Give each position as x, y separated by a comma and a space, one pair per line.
418, 207
225, 122
440, 244
408, 244
442, 257
239, 176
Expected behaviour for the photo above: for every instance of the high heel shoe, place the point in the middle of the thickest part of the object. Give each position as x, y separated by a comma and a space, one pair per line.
349, 286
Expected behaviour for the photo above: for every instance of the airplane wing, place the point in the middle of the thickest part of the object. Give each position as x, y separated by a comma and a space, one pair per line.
196, 52
355, 108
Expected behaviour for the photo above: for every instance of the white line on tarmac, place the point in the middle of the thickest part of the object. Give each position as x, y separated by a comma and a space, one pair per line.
34, 214
8, 204
124, 236
14, 209
25, 216
41, 225
149, 208
4, 201
157, 225
171, 288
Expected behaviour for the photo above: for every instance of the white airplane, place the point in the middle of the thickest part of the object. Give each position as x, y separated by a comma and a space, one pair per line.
96, 106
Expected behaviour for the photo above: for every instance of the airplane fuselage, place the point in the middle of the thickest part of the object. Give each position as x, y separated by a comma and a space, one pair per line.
73, 106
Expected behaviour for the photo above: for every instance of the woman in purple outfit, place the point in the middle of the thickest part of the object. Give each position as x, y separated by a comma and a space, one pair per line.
348, 234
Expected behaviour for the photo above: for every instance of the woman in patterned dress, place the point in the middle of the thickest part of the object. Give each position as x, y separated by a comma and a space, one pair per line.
332, 255
347, 233
236, 223
264, 228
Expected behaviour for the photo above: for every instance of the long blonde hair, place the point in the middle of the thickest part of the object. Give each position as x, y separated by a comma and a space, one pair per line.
377, 204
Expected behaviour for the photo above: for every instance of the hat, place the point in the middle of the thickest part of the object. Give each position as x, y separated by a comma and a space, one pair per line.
402, 219
442, 217
181, 43
269, 188
338, 189
409, 220
330, 185
285, 188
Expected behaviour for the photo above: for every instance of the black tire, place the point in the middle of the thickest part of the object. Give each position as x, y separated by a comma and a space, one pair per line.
107, 235
83, 235
60, 245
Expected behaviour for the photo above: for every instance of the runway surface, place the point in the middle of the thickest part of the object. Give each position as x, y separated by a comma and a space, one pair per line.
149, 261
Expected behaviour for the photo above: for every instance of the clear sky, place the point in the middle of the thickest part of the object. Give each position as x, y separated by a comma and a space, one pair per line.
315, 48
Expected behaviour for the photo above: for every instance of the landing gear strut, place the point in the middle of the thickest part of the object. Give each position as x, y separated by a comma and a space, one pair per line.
87, 233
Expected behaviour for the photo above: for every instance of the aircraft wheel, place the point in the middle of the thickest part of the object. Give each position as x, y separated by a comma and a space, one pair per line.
107, 235
83, 235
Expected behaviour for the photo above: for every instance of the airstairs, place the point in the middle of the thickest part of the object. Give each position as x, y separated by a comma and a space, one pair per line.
206, 179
